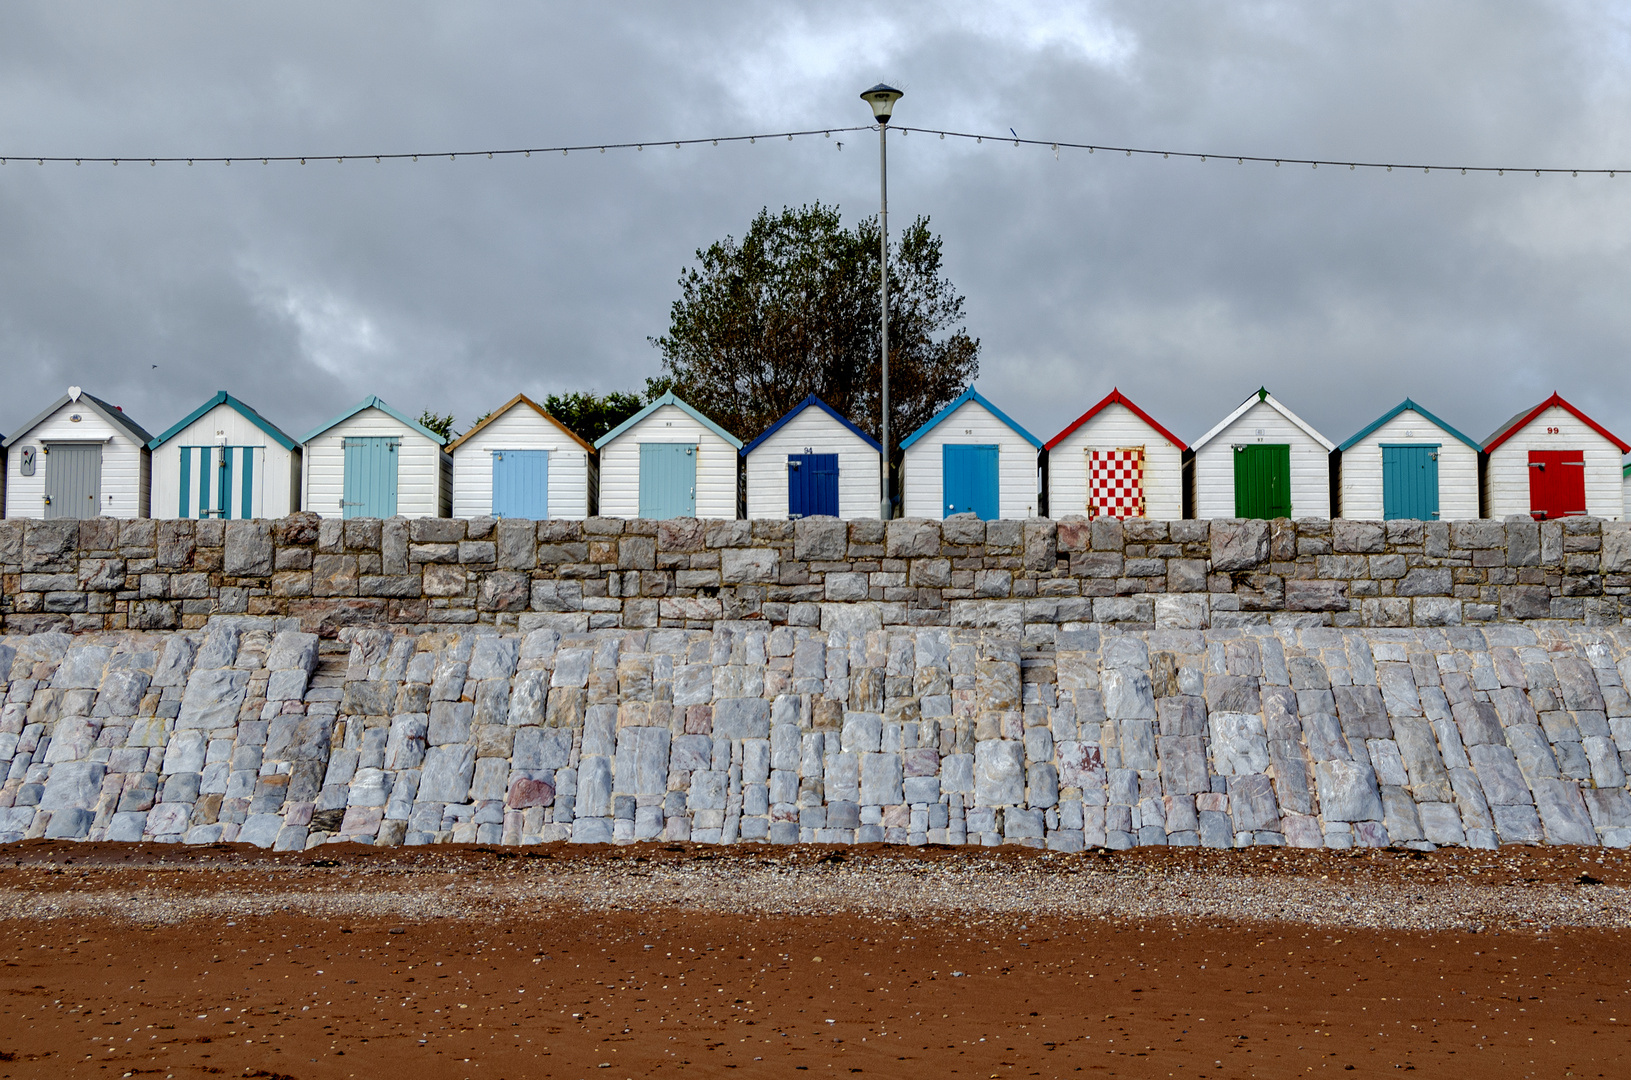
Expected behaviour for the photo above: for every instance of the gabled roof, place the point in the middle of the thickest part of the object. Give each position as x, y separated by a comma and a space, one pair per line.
1115, 397
1523, 419
520, 399
668, 399
1272, 402
223, 398
1411, 406
376, 403
966, 396
812, 400
101, 408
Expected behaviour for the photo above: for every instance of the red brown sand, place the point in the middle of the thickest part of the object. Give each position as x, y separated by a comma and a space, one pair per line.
566, 991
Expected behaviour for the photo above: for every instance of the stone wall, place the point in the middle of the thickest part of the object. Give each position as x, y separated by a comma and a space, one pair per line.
846, 731
1013, 575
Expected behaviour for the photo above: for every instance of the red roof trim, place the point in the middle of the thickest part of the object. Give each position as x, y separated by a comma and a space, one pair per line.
1523, 421
1115, 397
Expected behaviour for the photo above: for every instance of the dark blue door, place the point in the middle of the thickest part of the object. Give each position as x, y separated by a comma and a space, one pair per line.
969, 480
812, 485
1410, 482
521, 484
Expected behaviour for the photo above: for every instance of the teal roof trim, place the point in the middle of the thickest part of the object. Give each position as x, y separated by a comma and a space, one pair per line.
1413, 407
668, 399
223, 398
970, 395
376, 403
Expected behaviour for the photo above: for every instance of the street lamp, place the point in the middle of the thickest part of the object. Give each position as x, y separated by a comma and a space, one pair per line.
882, 98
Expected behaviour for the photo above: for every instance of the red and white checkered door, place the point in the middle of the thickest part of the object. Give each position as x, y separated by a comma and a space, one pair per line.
1115, 482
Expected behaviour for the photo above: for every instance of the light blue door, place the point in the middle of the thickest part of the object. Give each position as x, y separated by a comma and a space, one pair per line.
969, 480
370, 476
668, 480
1410, 482
521, 484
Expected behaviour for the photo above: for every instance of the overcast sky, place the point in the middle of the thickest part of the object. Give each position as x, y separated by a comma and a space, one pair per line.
455, 285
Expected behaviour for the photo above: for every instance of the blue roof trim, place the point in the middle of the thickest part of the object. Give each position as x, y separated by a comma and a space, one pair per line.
800, 407
668, 399
223, 398
971, 395
376, 403
1404, 405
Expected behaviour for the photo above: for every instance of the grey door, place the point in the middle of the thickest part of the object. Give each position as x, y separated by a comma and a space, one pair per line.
73, 480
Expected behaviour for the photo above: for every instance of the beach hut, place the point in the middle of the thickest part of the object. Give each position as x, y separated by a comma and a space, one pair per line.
970, 458
668, 461
225, 460
373, 462
813, 462
80, 458
1262, 461
1626, 472
1115, 461
521, 462
1408, 464
1554, 461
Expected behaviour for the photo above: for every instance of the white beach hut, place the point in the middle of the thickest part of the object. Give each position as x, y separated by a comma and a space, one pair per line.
1554, 461
372, 461
225, 460
1116, 461
1262, 461
521, 462
80, 458
813, 462
668, 461
1408, 464
970, 458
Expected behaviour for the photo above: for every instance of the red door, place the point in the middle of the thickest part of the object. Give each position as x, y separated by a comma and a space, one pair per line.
1557, 483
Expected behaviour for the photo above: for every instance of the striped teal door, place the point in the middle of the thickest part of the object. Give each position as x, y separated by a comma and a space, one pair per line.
668, 480
370, 477
73, 480
969, 480
521, 484
1410, 482
217, 481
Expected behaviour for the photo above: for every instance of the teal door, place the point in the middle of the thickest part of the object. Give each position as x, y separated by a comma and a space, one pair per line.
217, 481
969, 480
668, 480
1410, 482
370, 477
521, 484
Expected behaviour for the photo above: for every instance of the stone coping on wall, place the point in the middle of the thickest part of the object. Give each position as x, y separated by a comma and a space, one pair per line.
602, 573
251, 730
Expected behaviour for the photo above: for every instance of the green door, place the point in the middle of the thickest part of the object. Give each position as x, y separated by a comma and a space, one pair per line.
370, 476
1262, 480
668, 480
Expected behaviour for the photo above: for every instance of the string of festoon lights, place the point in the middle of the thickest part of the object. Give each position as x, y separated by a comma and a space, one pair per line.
1055, 145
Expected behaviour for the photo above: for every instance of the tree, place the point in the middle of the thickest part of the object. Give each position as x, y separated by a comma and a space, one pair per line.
792, 310
593, 415
441, 425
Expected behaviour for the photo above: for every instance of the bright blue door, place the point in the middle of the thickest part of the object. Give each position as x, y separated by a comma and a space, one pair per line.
668, 480
812, 485
521, 484
969, 480
370, 477
1410, 482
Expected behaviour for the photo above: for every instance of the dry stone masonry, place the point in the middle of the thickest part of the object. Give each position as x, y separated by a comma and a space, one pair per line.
844, 726
1022, 577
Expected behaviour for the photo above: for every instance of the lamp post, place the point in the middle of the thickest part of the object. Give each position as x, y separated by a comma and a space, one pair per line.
882, 98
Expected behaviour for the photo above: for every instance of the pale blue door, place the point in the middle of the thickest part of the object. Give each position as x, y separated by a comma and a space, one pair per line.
668, 480
521, 484
370, 476
969, 480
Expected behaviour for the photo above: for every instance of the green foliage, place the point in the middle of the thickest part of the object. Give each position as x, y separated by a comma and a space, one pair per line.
441, 425
593, 415
792, 309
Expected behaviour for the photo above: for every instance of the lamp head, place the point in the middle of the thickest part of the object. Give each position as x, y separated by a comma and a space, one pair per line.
882, 98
